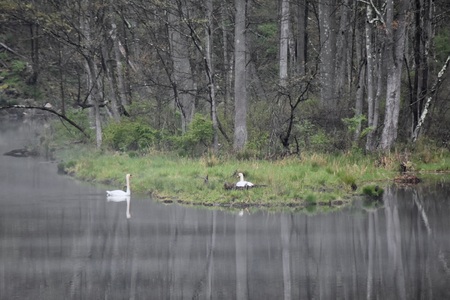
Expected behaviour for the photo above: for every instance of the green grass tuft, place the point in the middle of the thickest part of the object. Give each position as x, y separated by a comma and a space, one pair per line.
373, 191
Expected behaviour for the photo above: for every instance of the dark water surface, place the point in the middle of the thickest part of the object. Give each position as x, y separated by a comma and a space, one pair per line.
61, 239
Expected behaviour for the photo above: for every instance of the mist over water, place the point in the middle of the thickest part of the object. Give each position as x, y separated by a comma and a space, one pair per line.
61, 239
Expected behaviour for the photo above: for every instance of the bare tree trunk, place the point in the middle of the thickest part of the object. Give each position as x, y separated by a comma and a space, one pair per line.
34, 37
361, 87
110, 84
394, 54
210, 72
284, 42
93, 80
341, 48
327, 58
113, 64
240, 81
184, 89
207, 53
370, 69
227, 67
122, 91
61, 74
422, 39
95, 98
302, 37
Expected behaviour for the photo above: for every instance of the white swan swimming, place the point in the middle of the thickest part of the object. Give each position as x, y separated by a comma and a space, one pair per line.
117, 193
121, 199
242, 182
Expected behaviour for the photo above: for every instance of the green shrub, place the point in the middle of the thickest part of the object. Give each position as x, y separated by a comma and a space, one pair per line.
200, 130
129, 136
18, 66
312, 137
198, 137
354, 122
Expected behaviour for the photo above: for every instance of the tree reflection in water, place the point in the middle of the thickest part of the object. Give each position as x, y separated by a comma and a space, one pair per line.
68, 242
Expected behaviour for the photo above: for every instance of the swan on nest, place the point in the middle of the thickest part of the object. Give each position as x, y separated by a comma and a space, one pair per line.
242, 183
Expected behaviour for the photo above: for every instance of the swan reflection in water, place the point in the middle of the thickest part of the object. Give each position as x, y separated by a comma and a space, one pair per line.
121, 199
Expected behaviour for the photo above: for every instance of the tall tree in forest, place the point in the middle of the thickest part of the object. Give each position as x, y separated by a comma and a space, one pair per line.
240, 80
34, 45
423, 36
205, 48
327, 55
342, 46
210, 71
372, 107
227, 59
90, 49
184, 87
301, 38
293, 81
284, 42
111, 82
361, 84
207, 54
395, 32
116, 61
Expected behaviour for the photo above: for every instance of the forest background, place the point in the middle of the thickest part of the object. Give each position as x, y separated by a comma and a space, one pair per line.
257, 78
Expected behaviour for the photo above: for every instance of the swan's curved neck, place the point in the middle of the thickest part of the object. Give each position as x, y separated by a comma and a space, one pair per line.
241, 177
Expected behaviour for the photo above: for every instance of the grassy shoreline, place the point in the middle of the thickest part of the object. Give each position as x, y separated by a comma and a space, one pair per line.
312, 179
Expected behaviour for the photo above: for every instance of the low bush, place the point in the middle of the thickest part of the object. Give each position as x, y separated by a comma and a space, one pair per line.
198, 139
129, 136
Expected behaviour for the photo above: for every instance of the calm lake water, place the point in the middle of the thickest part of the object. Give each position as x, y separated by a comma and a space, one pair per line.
62, 239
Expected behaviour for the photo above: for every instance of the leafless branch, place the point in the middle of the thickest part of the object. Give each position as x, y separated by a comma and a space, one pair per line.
49, 110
